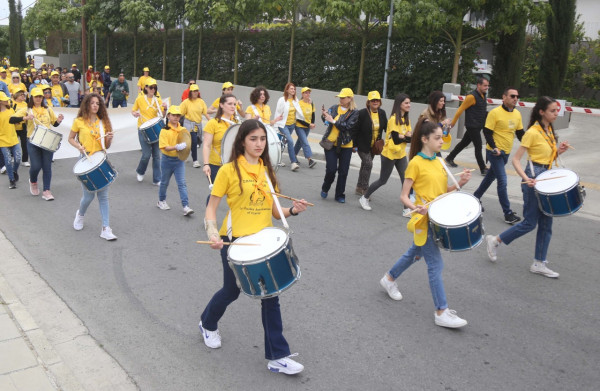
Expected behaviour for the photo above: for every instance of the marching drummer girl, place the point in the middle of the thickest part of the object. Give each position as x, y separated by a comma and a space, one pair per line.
194, 108
540, 144
38, 113
170, 164
242, 180
146, 107
92, 132
213, 134
428, 178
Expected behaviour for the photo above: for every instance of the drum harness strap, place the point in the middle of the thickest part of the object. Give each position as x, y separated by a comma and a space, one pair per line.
449, 173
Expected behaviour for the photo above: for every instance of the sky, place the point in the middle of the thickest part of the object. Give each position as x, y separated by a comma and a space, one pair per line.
4, 9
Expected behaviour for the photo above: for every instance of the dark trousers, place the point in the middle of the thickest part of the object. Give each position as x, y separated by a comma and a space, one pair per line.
276, 346
472, 135
22, 134
337, 160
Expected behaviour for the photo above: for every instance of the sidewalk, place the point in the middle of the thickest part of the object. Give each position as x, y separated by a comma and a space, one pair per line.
43, 345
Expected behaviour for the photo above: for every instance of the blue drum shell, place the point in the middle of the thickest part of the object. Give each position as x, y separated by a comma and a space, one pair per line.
458, 238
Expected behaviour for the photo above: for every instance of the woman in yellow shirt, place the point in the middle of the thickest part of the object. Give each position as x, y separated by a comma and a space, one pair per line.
146, 107
393, 155
193, 108
170, 164
303, 127
245, 174
9, 142
86, 135
341, 121
540, 143
288, 110
258, 109
16, 84
426, 175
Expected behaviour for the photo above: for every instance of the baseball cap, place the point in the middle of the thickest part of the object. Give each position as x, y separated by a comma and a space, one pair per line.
345, 93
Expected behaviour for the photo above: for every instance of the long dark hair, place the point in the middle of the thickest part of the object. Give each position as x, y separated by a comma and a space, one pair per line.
255, 95
424, 128
433, 99
146, 89
222, 99
237, 150
43, 104
84, 110
396, 109
542, 104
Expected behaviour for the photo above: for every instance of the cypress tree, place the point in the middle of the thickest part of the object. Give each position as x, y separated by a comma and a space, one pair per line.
508, 60
14, 39
22, 59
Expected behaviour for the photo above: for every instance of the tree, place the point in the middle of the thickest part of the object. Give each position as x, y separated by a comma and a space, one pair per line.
50, 15
104, 17
14, 34
592, 77
363, 15
22, 59
560, 24
167, 16
136, 14
196, 12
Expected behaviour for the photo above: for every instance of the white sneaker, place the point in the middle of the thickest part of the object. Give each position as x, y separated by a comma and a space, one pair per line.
281, 164
78, 223
492, 245
196, 164
364, 203
3, 170
295, 166
162, 205
139, 177
406, 213
187, 210
212, 339
390, 287
285, 365
449, 319
541, 268
156, 183
107, 234
27, 164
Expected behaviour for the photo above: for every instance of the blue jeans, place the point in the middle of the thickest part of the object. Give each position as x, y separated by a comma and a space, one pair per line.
147, 151
302, 142
214, 169
496, 171
170, 165
435, 264
117, 103
337, 162
40, 159
532, 216
287, 132
276, 346
12, 167
88, 197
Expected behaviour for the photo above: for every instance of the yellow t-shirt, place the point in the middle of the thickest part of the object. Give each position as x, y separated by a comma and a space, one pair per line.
57, 93
504, 124
217, 128
8, 135
149, 109
88, 134
250, 211
44, 116
20, 106
142, 82
333, 136
6, 79
16, 87
264, 112
193, 109
391, 150
375, 120
429, 177
168, 138
538, 148
307, 109
291, 118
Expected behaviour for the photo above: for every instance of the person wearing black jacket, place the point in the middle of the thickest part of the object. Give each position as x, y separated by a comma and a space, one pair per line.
372, 122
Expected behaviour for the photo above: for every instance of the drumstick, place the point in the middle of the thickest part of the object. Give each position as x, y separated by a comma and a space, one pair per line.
290, 198
460, 173
228, 243
427, 204
569, 146
210, 184
546, 179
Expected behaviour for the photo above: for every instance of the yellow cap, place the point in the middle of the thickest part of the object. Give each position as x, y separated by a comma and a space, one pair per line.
106, 67
150, 81
37, 92
43, 64
90, 67
54, 73
46, 87
304, 89
74, 66
146, 69
15, 74
373, 95
3, 97
33, 70
44, 72
194, 87
227, 84
346, 93
174, 110
2, 69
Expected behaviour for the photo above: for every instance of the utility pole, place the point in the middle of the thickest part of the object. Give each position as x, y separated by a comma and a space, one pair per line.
83, 42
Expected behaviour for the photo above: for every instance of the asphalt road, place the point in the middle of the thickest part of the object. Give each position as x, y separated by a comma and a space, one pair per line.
141, 296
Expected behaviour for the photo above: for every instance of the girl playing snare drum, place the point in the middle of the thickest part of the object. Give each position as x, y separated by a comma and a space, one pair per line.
244, 181
86, 135
539, 142
428, 178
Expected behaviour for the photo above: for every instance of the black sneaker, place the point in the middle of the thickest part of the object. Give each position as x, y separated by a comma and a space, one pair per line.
16, 176
450, 162
311, 163
12, 185
511, 218
484, 171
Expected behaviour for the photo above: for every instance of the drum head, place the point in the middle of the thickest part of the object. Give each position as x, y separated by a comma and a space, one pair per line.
85, 165
184, 136
270, 241
227, 143
150, 123
557, 185
455, 209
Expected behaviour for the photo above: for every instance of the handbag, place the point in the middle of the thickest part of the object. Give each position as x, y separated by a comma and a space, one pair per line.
377, 147
326, 144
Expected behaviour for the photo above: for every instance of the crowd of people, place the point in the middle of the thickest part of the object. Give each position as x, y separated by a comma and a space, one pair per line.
249, 174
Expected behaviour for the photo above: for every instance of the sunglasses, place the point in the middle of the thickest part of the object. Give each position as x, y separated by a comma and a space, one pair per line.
189, 84
152, 87
514, 96
47, 92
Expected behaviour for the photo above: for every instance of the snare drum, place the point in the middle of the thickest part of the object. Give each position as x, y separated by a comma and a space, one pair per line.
45, 138
151, 129
455, 221
272, 140
96, 172
268, 269
561, 196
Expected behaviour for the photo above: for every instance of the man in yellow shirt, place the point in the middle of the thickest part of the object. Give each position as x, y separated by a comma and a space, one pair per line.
501, 125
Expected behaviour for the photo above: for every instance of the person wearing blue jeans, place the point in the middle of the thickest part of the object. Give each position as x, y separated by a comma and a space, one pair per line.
496, 172
12, 165
289, 110
149, 150
40, 159
119, 103
287, 131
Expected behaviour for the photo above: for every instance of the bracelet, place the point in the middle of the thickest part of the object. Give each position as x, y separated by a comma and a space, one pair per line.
211, 228
292, 212
206, 164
